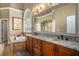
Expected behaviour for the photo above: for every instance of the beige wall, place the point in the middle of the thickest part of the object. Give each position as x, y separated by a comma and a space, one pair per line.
20, 6
77, 18
13, 5
14, 13
4, 5
4, 13
17, 6
61, 16
8, 14
30, 5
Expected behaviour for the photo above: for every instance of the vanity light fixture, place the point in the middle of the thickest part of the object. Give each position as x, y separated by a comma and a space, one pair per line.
34, 11
37, 11
41, 7
50, 4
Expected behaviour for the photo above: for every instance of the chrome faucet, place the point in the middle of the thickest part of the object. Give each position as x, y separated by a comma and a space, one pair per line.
60, 37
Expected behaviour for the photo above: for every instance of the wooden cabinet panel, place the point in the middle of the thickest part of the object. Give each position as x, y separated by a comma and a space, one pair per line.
77, 53
29, 45
37, 43
36, 52
36, 47
62, 51
39, 47
48, 49
18, 46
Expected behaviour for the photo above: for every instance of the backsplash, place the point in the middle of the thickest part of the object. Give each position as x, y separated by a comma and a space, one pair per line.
71, 38
66, 36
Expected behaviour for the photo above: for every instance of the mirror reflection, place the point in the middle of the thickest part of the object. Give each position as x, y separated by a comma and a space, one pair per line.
61, 19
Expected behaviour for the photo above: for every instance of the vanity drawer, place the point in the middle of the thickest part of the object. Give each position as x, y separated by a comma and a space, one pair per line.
37, 52
37, 46
48, 49
37, 43
63, 51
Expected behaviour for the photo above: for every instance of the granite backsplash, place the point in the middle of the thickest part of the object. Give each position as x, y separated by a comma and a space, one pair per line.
62, 36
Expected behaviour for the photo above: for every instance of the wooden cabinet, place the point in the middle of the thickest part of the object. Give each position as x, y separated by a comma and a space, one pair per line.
39, 47
36, 47
77, 53
62, 51
18, 46
29, 45
33, 46
36, 52
48, 49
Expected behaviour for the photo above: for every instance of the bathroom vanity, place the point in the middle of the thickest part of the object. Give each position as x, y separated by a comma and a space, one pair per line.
49, 46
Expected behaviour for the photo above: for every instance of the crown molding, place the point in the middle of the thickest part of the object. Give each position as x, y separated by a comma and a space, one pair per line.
11, 9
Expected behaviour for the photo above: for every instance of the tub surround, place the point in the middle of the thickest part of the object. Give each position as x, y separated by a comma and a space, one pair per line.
16, 44
70, 43
15, 39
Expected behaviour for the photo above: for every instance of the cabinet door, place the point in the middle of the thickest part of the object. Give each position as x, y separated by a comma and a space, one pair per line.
62, 51
48, 49
36, 52
37, 43
77, 53
27, 44
36, 47
30, 45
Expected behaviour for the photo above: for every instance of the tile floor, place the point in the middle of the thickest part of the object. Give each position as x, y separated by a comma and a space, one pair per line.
23, 53
7, 52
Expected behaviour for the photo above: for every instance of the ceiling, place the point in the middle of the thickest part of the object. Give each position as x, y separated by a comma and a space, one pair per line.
20, 6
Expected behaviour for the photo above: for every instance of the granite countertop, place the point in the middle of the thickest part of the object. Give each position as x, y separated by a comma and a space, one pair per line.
69, 44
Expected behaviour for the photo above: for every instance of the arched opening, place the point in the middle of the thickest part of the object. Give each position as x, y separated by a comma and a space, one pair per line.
27, 20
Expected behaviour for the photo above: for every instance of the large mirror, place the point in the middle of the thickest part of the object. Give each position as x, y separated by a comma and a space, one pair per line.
62, 19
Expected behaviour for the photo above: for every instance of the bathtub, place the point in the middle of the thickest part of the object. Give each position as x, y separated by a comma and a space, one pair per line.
17, 38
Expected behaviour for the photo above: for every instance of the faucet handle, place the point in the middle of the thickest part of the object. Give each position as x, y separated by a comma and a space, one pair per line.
66, 38
61, 37
58, 37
